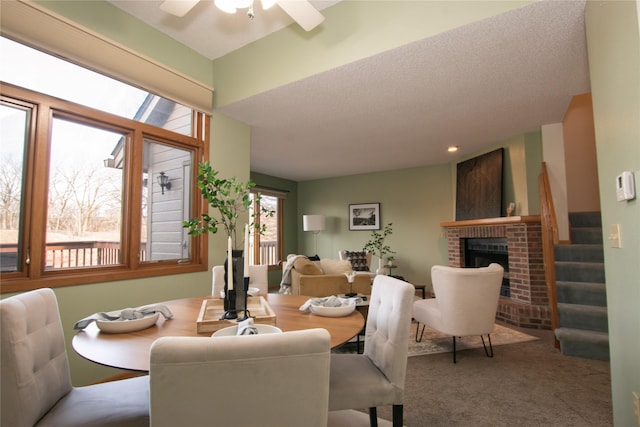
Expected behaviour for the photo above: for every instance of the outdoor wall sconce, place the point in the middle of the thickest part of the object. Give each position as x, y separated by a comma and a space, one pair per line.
163, 180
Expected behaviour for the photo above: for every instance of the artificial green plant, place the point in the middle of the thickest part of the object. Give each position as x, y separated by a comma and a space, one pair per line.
376, 245
227, 199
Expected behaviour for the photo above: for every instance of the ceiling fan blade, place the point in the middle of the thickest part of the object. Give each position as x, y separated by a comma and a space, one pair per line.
178, 7
302, 12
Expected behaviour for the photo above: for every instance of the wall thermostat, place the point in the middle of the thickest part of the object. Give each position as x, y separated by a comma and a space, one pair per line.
625, 188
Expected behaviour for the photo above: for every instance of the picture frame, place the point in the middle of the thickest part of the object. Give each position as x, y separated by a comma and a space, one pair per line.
364, 216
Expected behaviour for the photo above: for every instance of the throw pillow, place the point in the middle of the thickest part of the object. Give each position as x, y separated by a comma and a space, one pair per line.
358, 260
306, 267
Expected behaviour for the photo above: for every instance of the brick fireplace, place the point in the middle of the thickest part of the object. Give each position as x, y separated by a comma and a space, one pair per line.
527, 304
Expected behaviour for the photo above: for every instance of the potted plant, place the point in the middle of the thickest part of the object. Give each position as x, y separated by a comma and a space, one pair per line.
376, 246
227, 199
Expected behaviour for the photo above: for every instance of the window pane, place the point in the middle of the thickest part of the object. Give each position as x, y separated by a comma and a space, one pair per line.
35, 70
165, 206
13, 131
85, 196
267, 242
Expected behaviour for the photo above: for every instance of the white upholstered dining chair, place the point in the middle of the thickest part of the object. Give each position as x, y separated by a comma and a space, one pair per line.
264, 380
258, 278
376, 377
465, 304
36, 383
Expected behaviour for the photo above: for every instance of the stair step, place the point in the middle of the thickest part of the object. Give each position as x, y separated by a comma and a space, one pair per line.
592, 272
585, 219
581, 253
586, 235
584, 293
579, 316
585, 344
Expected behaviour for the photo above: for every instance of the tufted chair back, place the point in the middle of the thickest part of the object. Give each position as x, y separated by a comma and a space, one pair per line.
35, 370
387, 331
36, 384
377, 376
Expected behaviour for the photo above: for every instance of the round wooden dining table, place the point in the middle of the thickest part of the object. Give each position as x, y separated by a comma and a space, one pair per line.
130, 351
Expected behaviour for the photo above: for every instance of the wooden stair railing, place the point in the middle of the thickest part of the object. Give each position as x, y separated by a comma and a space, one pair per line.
549, 240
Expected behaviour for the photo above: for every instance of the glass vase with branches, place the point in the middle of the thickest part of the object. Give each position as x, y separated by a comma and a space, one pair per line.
227, 199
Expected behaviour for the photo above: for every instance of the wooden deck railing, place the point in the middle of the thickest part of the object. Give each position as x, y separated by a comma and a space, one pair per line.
97, 253
82, 254
549, 240
71, 254
268, 252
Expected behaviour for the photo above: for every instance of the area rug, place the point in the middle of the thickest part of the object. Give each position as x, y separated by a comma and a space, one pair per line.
435, 342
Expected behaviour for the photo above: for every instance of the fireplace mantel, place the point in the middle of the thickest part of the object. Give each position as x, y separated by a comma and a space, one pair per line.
527, 304
528, 219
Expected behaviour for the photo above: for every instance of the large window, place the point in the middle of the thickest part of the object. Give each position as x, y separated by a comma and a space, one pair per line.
93, 194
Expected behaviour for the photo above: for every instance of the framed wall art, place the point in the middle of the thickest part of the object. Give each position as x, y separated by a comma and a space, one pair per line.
364, 216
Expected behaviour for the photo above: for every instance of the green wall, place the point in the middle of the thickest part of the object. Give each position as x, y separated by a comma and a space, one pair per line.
416, 200
613, 39
106, 19
351, 30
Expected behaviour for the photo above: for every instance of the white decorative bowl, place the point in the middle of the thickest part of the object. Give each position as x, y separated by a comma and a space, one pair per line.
124, 326
233, 330
347, 307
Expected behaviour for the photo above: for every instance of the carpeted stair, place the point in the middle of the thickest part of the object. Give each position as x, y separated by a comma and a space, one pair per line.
582, 297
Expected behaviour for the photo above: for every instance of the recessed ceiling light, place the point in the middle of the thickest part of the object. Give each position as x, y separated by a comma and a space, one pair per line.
452, 148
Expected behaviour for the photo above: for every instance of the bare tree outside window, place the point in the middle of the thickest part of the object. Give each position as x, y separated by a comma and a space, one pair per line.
84, 197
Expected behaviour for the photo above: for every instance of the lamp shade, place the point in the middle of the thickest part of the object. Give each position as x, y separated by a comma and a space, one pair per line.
313, 222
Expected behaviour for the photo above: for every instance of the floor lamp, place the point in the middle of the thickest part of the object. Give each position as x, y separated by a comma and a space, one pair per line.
315, 224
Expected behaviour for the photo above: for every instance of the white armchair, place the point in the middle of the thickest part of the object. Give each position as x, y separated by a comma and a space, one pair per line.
36, 383
258, 278
465, 303
266, 380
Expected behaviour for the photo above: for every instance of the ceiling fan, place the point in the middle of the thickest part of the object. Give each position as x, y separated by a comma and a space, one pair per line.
301, 11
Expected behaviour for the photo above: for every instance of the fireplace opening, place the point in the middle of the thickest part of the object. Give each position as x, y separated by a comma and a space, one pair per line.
480, 252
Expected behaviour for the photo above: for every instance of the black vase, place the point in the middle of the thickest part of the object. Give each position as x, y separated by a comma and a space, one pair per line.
234, 298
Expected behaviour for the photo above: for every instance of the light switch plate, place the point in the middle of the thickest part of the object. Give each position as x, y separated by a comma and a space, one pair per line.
614, 236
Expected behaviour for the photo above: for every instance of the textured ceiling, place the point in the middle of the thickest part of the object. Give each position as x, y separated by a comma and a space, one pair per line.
472, 87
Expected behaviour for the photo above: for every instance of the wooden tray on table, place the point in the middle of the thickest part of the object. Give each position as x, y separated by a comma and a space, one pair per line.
209, 319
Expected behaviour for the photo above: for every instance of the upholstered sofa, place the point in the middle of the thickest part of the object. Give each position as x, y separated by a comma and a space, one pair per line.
324, 277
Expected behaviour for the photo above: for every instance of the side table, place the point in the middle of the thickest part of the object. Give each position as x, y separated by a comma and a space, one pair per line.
391, 267
422, 288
